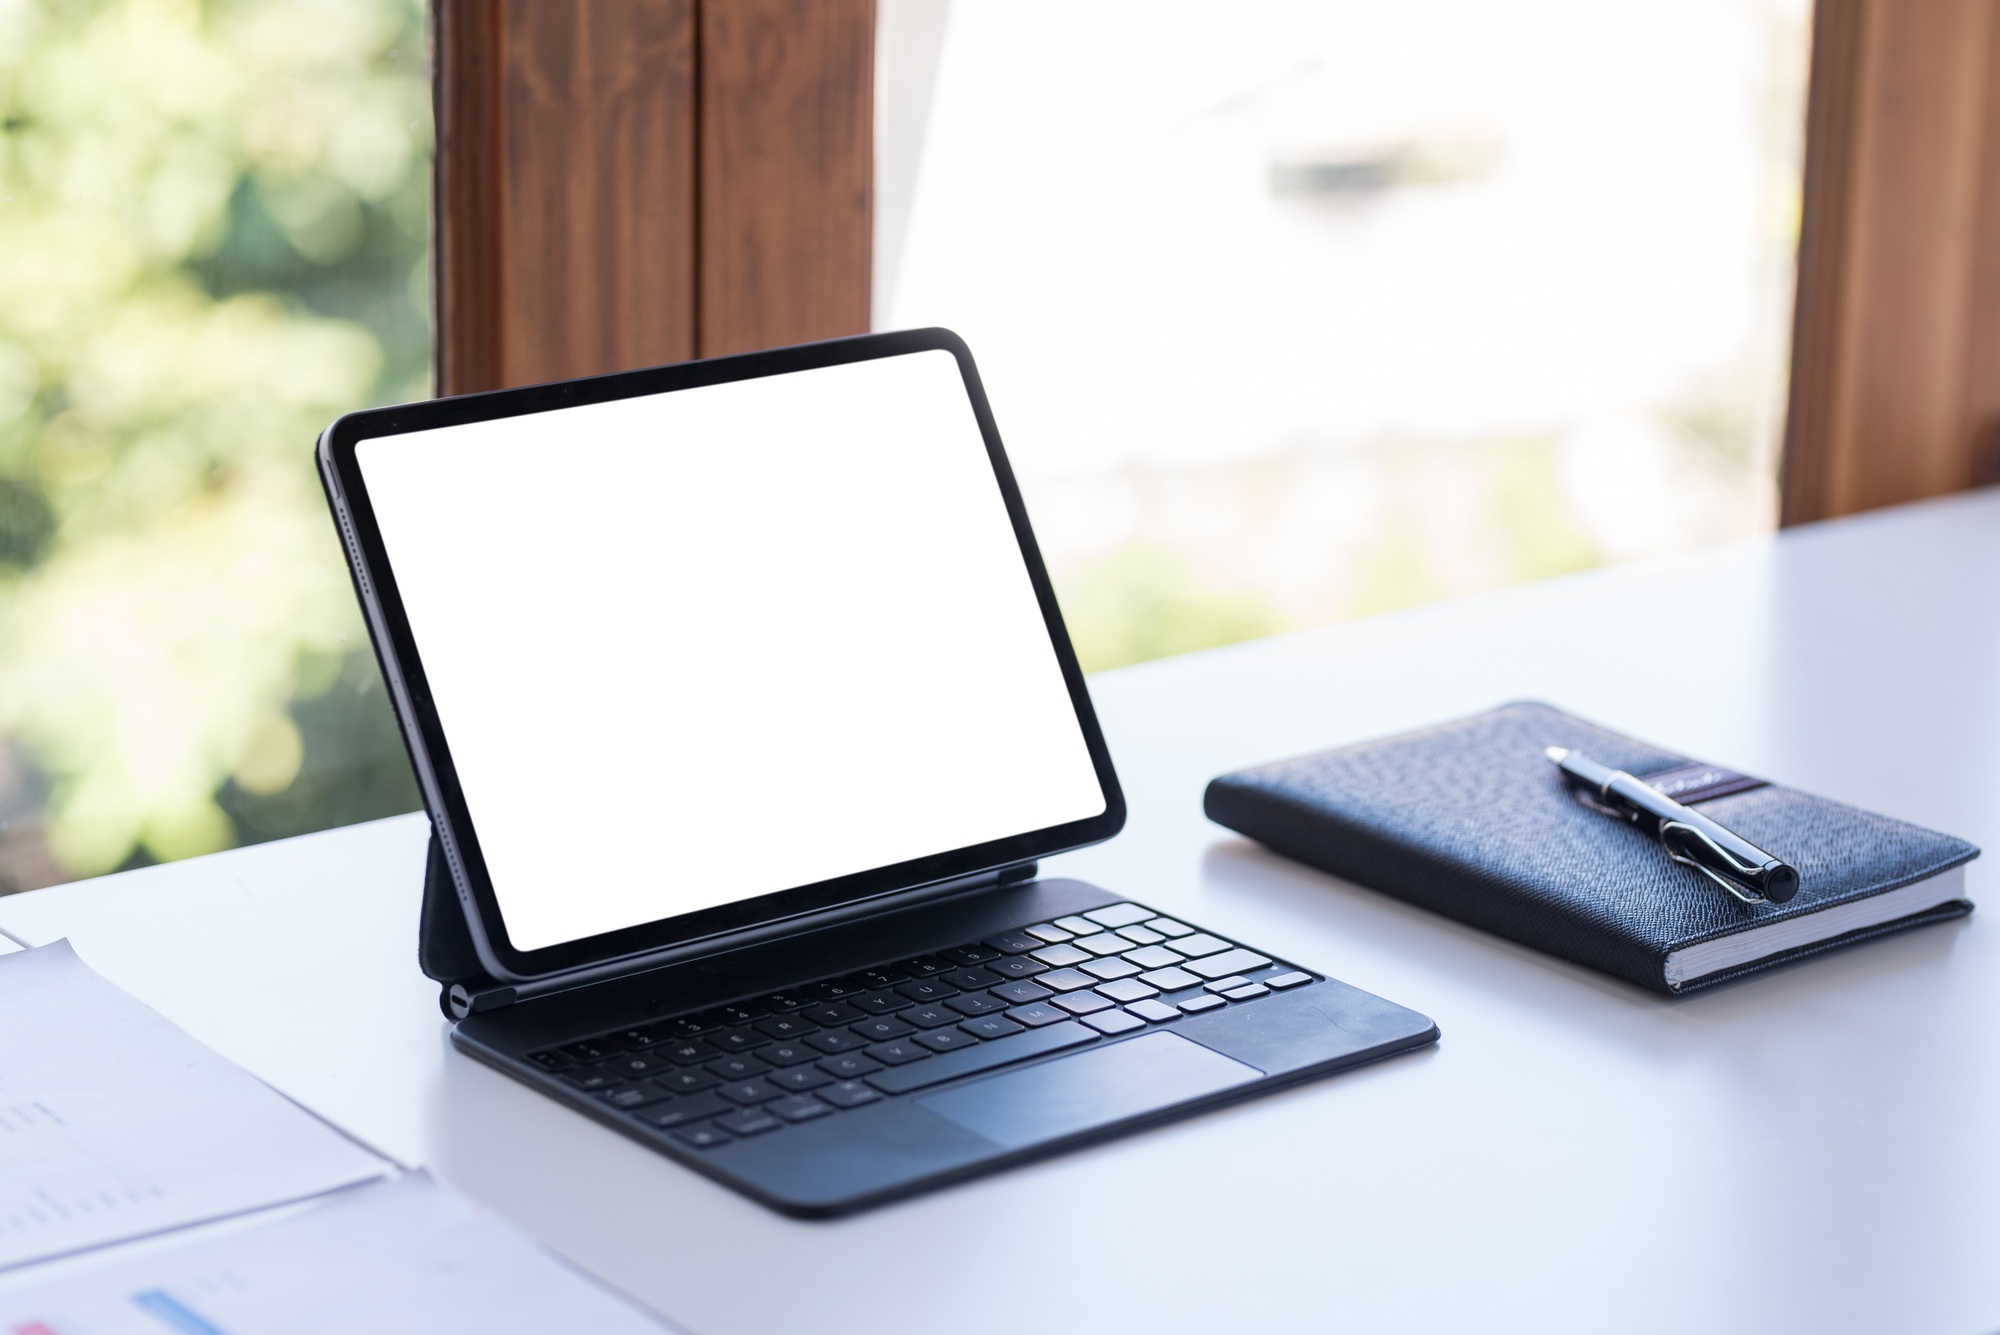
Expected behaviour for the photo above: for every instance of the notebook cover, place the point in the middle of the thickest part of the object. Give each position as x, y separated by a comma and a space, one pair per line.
1470, 819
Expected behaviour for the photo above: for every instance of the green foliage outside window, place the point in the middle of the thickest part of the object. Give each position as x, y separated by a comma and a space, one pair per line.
212, 241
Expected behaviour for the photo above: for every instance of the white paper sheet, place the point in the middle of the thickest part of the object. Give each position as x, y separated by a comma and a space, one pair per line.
386, 1258
114, 1123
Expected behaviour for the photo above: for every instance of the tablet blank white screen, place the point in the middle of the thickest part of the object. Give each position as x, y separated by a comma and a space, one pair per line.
696, 647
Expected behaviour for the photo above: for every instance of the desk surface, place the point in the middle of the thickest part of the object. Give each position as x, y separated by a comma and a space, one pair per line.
1817, 1149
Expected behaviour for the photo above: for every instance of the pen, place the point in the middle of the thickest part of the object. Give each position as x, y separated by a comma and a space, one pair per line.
1731, 861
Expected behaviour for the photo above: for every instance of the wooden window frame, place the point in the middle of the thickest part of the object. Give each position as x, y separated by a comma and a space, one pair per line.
1895, 386
631, 182
627, 183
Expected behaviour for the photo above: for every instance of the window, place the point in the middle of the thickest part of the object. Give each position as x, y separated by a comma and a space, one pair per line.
1291, 311
1305, 309
212, 241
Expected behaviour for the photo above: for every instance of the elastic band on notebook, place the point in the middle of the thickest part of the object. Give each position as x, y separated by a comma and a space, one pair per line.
1689, 784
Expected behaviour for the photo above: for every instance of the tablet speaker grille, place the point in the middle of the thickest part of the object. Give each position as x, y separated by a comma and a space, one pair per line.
353, 551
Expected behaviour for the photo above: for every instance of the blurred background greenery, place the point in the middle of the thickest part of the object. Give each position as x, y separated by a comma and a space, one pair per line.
213, 233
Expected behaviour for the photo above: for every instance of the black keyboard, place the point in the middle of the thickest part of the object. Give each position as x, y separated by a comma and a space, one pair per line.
758, 1064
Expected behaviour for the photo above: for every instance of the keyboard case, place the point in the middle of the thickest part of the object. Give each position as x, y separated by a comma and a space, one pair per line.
971, 1123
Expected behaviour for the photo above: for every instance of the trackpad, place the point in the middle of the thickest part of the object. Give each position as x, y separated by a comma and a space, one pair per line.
1090, 1089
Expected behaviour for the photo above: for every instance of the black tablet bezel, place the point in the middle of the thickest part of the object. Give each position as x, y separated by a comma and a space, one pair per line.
430, 753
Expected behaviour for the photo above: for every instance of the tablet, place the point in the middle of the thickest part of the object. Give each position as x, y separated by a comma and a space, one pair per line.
686, 652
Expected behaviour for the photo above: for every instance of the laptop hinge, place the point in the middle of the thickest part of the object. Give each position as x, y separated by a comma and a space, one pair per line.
472, 995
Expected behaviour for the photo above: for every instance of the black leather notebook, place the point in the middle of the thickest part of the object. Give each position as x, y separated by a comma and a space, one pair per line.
1470, 819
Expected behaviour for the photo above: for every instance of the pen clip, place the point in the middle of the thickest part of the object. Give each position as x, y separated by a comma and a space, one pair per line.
1670, 834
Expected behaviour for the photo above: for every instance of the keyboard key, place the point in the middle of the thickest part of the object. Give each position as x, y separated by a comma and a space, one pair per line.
590, 1079
737, 1040
1168, 927
688, 1082
785, 1026
837, 989
1012, 943
787, 1054
632, 1065
1049, 932
1104, 943
1118, 915
1017, 966
848, 1065
981, 1057
1158, 1012
1129, 989
831, 1013
1066, 980
897, 1052
1114, 1022
641, 1036
945, 1040
736, 1012
747, 1122
970, 980
1230, 961
976, 1003
848, 1094
1036, 1015
750, 1091
1076, 926
1224, 984
1110, 969
1141, 936
927, 989
633, 1097
589, 1050
879, 977
1200, 944
1060, 957
1170, 980
878, 1029
880, 1003
990, 1026
549, 1061
798, 1108
923, 966
1154, 957
1248, 992
681, 1111
684, 1051
1021, 993
1083, 1003
799, 1078
1196, 1005
692, 1026
835, 1040
1286, 980
784, 1001
737, 1068
705, 1136
629, 1097
969, 955
930, 1017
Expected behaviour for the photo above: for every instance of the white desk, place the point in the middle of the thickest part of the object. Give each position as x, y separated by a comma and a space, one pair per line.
1816, 1150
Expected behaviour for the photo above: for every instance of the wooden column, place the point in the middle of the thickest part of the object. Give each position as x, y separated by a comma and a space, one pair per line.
787, 168
624, 183
1895, 389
